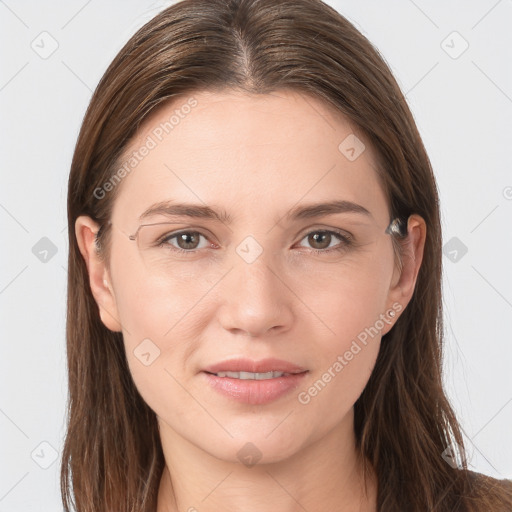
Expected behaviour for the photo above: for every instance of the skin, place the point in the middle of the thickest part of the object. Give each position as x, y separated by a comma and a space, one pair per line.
257, 157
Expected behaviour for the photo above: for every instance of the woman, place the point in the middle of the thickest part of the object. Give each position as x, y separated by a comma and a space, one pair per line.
254, 309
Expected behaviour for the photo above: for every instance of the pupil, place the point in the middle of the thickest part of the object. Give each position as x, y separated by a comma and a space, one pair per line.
316, 236
184, 237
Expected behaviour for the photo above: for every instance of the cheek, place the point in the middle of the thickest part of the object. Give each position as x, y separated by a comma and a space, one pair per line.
162, 323
156, 304
349, 295
351, 315
161, 327
332, 391
344, 355
166, 312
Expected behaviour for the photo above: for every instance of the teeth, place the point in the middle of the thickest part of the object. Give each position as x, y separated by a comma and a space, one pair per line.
250, 375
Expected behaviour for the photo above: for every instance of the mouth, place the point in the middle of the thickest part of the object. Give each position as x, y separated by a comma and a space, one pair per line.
254, 382
253, 375
250, 369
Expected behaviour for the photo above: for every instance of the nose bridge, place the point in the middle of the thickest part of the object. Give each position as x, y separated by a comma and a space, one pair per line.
255, 296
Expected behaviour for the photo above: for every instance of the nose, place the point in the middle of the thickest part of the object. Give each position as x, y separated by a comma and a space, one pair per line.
256, 299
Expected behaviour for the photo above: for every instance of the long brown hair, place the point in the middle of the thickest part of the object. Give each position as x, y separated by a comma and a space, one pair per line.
112, 458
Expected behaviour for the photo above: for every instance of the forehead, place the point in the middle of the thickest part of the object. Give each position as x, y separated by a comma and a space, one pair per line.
248, 152
281, 117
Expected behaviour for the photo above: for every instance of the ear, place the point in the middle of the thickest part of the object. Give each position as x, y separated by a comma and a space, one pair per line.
99, 278
404, 281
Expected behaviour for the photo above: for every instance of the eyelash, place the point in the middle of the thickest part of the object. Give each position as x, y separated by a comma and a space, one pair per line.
346, 241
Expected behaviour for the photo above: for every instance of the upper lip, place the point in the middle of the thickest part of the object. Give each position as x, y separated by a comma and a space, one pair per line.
249, 365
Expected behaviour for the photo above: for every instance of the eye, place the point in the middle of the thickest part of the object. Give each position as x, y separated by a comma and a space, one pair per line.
187, 241
322, 240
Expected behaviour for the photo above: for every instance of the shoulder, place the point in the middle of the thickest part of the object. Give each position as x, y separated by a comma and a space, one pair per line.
495, 493
482, 480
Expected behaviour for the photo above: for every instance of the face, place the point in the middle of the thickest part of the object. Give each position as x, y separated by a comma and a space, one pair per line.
258, 279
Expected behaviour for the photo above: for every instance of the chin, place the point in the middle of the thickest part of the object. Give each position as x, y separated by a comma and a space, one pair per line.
253, 447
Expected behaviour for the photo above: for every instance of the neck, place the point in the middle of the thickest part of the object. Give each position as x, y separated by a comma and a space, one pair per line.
327, 474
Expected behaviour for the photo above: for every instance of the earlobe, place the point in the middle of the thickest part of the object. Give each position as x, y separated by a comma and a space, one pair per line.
99, 279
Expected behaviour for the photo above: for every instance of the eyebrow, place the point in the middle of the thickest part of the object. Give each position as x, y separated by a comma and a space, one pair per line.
309, 211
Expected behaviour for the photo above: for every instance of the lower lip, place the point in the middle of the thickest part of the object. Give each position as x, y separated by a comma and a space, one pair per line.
255, 392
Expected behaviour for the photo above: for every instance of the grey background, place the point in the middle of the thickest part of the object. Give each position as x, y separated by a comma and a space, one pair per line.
462, 103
